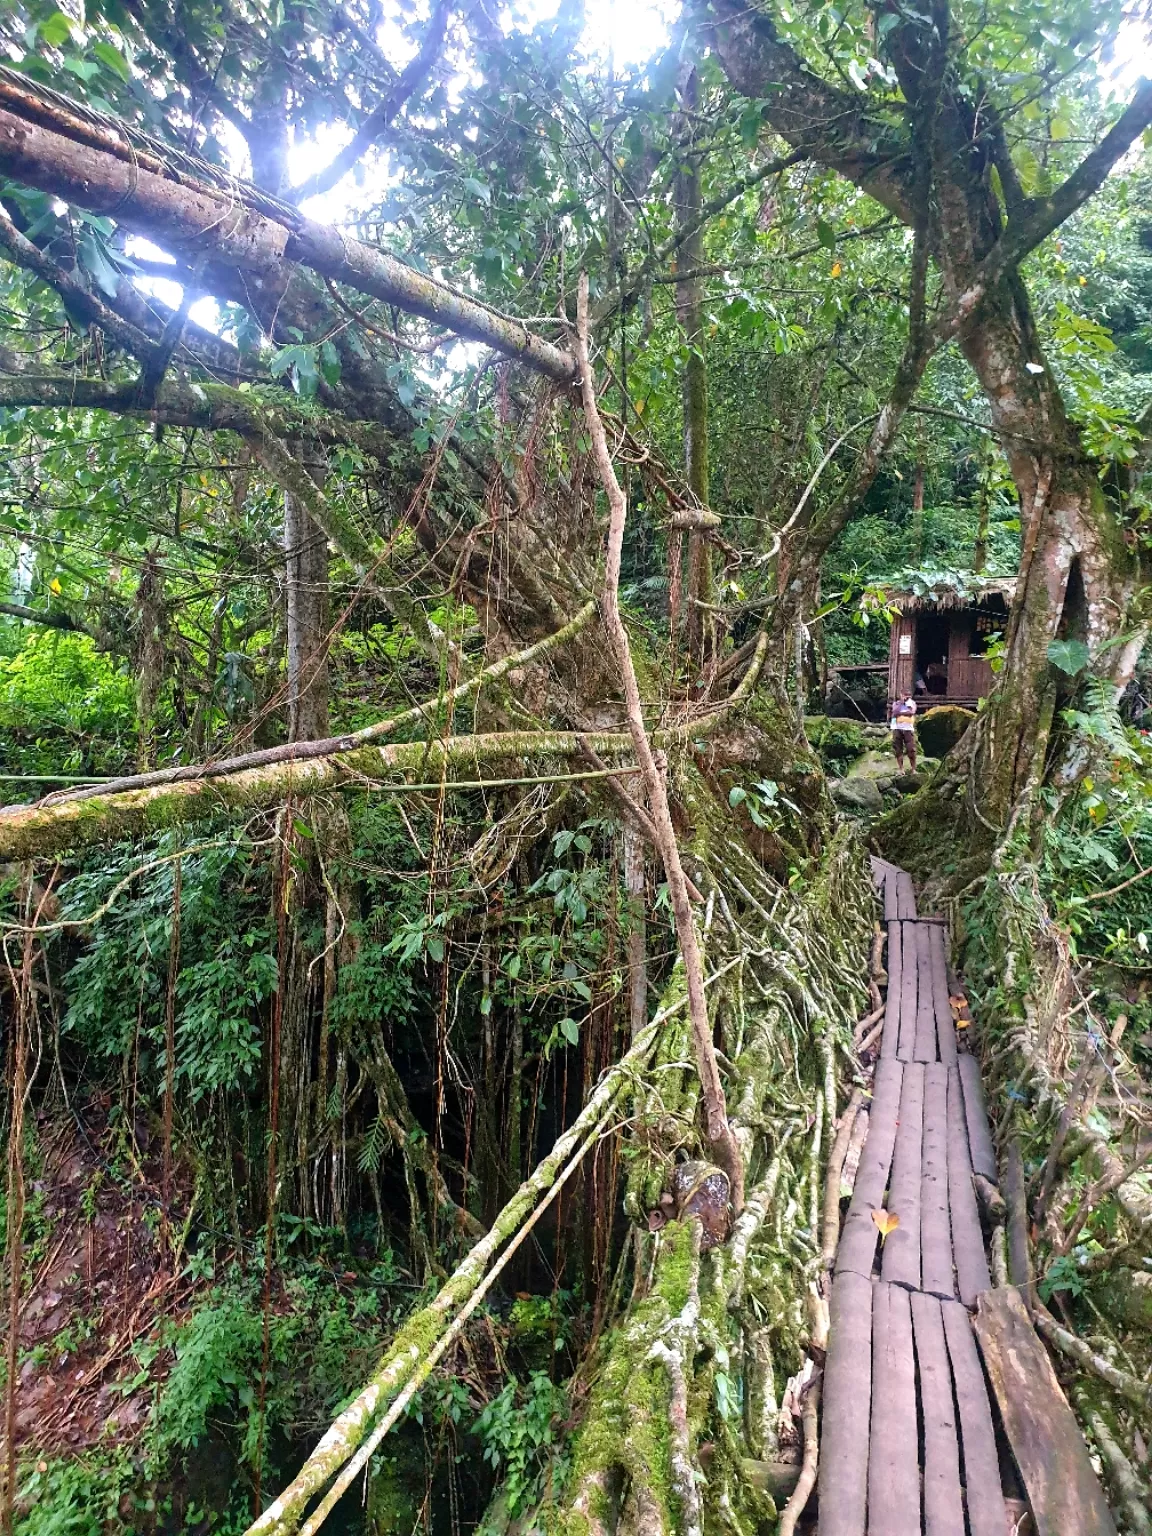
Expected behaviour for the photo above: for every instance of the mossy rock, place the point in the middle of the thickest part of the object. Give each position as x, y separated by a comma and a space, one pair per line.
938, 730
1128, 1295
858, 794
838, 742
878, 764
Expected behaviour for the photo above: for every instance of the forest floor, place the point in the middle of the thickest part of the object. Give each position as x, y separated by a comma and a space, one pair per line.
102, 1289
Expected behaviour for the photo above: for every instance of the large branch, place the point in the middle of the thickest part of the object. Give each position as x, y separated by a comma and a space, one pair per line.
60, 621
126, 319
236, 224
210, 407
830, 125
1046, 214
83, 304
376, 122
52, 828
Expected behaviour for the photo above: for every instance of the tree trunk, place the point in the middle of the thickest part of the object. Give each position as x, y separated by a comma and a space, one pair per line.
149, 659
918, 516
515, 1101
1078, 577
306, 604
690, 313
637, 931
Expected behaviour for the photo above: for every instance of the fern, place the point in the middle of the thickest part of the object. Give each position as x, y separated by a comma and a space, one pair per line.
376, 1143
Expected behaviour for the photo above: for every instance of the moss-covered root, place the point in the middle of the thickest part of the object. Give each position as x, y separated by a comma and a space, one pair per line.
633, 1467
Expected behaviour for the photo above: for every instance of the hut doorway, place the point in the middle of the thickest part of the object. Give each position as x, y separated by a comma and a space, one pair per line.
933, 632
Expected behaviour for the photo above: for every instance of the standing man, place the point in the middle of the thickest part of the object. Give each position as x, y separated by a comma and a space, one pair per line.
904, 732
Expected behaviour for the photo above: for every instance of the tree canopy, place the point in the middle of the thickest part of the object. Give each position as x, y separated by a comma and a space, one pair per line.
451, 462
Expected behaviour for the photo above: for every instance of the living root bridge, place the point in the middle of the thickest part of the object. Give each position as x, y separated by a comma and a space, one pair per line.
57, 826
783, 982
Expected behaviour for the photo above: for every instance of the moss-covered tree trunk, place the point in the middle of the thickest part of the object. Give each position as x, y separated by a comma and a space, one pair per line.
306, 609
1080, 578
694, 384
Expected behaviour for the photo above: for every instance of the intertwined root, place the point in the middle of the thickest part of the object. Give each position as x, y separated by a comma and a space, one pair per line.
687, 1388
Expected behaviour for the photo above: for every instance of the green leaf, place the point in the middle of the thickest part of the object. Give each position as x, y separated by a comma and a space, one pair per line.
825, 234
435, 946
736, 796
56, 30
1071, 656
95, 261
329, 364
570, 1030
113, 59
751, 122
83, 69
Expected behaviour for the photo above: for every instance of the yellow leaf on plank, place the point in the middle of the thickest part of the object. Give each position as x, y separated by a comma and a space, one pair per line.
886, 1221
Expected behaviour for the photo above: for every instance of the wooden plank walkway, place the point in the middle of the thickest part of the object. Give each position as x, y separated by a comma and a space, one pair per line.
908, 1443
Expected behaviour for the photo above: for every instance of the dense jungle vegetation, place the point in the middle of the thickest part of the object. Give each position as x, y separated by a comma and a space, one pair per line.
444, 452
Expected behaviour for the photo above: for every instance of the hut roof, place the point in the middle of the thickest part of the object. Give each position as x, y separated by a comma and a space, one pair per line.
950, 589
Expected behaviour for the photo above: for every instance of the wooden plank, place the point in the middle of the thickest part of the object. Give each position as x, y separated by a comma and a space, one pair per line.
858, 1240
902, 665
906, 896
909, 984
968, 1254
847, 1408
1062, 1488
890, 1038
900, 1260
935, 1224
943, 1504
891, 895
986, 1513
881, 869
925, 1046
893, 1450
945, 1024
976, 1114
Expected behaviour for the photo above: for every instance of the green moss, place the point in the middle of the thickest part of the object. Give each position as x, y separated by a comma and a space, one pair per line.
837, 742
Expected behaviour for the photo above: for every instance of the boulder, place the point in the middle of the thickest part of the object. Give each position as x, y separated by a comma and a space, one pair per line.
877, 763
858, 794
939, 729
1127, 1294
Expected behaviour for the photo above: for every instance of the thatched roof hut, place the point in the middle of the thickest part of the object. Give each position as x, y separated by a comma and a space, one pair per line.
941, 635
